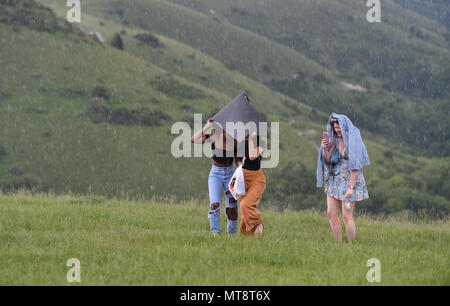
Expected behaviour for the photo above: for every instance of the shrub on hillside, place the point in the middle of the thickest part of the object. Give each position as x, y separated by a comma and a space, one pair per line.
436, 177
321, 78
150, 40
15, 171
239, 11
117, 42
117, 11
34, 110
99, 111
174, 88
418, 33
17, 183
31, 14
266, 69
143, 116
100, 92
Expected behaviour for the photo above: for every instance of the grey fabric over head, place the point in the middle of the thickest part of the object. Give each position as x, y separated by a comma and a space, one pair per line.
239, 118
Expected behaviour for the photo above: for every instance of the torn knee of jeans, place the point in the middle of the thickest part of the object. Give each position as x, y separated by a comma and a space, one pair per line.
232, 200
227, 192
213, 208
232, 213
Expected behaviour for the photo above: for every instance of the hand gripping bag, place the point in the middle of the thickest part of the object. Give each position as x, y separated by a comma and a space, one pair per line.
237, 184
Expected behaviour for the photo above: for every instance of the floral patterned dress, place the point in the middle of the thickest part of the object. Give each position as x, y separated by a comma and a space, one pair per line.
337, 183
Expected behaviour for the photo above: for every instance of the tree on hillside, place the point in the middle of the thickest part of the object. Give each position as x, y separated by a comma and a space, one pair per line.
118, 42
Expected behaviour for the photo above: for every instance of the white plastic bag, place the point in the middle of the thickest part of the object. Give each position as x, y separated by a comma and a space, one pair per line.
237, 184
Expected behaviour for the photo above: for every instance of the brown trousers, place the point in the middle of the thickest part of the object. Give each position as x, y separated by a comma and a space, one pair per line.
255, 184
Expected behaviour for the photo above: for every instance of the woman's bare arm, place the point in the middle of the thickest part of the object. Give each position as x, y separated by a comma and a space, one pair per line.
327, 154
351, 184
199, 136
253, 153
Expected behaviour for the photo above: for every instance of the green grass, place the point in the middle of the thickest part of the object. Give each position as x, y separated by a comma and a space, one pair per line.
167, 243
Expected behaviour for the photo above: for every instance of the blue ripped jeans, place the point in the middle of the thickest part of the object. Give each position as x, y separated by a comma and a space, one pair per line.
217, 183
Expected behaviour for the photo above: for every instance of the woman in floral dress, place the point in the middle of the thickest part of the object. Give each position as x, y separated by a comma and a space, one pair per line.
341, 158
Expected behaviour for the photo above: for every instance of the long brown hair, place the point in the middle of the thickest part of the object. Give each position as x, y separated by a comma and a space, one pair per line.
332, 122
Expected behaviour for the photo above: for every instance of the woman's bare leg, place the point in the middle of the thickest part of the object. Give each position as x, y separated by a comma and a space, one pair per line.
333, 215
350, 226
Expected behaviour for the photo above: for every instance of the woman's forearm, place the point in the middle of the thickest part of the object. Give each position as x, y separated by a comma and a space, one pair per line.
327, 154
253, 152
198, 136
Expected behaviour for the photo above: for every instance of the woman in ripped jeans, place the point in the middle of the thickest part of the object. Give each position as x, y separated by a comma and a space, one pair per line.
221, 172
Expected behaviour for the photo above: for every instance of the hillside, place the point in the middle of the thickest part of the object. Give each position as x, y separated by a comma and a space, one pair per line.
165, 243
81, 116
307, 49
438, 10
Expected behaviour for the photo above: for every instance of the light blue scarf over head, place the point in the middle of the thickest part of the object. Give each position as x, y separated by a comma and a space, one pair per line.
357, 153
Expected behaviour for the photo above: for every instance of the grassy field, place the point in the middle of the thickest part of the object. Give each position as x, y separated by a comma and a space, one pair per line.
167, 243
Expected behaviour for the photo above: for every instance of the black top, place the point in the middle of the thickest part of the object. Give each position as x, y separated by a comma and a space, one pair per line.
225, 159
252, 164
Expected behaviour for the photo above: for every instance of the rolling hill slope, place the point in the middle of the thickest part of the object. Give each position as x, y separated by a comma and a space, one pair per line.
81, 116
438, 10
306, 50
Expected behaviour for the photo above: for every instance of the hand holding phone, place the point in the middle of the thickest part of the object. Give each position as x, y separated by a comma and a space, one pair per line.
325, 139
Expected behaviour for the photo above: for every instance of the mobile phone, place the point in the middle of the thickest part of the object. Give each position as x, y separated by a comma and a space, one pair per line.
326, 136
